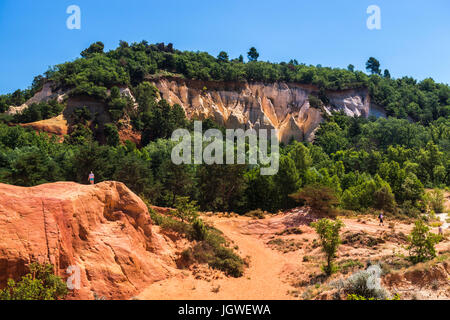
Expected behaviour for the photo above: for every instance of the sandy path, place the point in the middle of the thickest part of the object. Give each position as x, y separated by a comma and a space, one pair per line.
265, 278
260, 281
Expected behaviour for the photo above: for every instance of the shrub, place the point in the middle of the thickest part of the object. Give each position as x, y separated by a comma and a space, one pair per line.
435, 200
422, 243
199, 229
328, 232
40, 284
360, 285
211, 248
213, 251
169, 223
186, 210
258, 214
358, 297
321, 199
314, 102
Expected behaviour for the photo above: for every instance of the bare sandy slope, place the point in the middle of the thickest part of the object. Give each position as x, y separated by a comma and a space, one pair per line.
260, 281
282, 266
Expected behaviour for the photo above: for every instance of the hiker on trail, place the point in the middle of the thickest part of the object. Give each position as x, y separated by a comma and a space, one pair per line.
380, 217
441, 232
91, 177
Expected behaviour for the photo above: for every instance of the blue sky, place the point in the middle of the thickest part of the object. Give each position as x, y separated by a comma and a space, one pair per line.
414, 39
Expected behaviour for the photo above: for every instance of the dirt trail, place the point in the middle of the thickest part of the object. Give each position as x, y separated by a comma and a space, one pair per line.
261, 279
277, 270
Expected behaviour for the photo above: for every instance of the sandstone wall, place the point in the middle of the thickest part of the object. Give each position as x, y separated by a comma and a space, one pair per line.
280, 105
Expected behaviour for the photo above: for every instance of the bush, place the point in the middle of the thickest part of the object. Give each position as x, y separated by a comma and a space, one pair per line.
435, 200
328, 232
258, 214
199, 229
169, 223
40, 284
213, 251
314, 102
361, 284
211, 248
321, 199
422, 243
358, 297
186, 210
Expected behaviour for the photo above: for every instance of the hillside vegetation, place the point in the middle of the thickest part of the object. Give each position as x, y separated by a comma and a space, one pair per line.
366, 164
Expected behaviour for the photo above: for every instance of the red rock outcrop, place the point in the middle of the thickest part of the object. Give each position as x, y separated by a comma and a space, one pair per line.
104, 229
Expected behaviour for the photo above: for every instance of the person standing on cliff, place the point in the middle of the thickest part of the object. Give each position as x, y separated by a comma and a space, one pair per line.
91, 177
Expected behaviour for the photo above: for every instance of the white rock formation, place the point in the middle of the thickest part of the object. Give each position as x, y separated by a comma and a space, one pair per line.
279, 105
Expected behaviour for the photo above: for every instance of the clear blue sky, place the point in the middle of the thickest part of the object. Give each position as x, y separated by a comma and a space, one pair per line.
414, 39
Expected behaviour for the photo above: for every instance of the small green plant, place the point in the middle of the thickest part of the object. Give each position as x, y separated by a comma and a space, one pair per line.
186, 210
328, 232
199, 229
39, 284
422, 243
358, 297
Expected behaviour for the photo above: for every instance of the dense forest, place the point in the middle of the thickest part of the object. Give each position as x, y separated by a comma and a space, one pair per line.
365, 164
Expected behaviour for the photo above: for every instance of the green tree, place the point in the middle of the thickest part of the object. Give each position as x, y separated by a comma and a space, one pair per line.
373, 65
287, 181
302, 159
253, 54
328, 232
161, 121
186, 210
96, 47
422, 243
223, 56
221, 187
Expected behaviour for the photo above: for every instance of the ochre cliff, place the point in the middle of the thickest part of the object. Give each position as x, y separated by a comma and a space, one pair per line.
105, 230
279, 105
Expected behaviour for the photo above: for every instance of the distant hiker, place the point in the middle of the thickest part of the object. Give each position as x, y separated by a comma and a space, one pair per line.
380, 217
91, 177
441, 232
